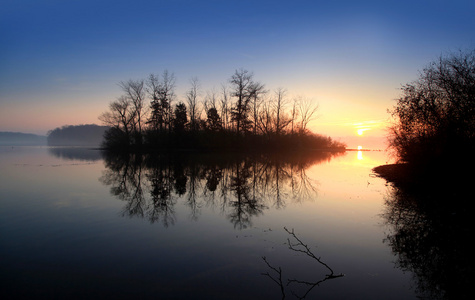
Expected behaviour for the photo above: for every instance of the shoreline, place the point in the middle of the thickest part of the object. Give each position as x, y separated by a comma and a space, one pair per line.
398, 173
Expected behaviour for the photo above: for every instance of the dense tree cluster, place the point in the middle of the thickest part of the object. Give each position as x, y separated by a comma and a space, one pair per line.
77, 135
243, 114
435, 117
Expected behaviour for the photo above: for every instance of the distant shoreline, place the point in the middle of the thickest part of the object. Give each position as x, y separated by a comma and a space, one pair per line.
8, 138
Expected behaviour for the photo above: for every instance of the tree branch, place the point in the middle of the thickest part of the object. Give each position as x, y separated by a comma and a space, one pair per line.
306, 250
277, 280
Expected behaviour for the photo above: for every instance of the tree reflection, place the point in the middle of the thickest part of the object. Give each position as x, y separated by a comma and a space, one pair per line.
430, 236
241, 187
76, 153
161, 181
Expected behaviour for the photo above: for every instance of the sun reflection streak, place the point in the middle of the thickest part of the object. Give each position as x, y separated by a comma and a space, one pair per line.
360, 153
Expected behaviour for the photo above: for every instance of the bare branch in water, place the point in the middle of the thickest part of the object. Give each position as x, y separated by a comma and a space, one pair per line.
277, 280
301, 247
305, 250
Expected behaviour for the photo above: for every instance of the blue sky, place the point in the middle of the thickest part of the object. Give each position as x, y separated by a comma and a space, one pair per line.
60, 61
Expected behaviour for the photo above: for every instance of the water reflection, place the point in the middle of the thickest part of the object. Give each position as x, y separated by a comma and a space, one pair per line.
429, 233
76, 153
240, 187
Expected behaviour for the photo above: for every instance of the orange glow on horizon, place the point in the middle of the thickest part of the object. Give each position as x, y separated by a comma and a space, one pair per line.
362, 127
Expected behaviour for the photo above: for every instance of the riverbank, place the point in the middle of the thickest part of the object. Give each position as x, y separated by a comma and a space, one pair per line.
446, 186
394, 173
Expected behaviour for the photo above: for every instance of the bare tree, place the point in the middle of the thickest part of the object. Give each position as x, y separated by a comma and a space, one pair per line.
168, 87
266, 118
224, 106
211, 100
307, 109
242, 84
294, 114
119, 114
257, 90
134, 91
120, 117
280, 102
192, 101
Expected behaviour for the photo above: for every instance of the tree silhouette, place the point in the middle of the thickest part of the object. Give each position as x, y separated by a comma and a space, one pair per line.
435, 116
135, 93
243, 90
213, 122
120, 118
239, 117
192, 101
181, 120
161, 92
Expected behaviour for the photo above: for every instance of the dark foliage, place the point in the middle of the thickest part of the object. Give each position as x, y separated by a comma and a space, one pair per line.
213, 122
249, 123
181, 120
434, 139
212, 139
115, 138
435, 117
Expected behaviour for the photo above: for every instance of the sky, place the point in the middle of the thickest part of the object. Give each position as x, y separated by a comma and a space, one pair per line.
61, 61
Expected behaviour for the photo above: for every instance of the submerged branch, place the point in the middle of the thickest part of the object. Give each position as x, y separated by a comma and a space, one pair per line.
299, 246
306, 250
277, 280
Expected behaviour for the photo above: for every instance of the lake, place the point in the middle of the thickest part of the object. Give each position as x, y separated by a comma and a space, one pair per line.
77, 224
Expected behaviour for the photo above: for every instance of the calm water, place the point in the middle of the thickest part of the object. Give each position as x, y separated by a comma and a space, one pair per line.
75, 224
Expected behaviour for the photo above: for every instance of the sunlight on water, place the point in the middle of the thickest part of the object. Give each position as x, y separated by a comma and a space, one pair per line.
73, 223
360, 153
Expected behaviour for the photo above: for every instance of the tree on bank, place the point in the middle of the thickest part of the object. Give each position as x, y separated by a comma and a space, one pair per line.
90, 135
307, 110
213, 121
435, 116
244, 89
192, 101
161, 92
180, 120
134, 92
238, 117
119, 117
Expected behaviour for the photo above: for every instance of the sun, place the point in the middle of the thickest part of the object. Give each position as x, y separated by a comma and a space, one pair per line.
361, 128
360, 131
